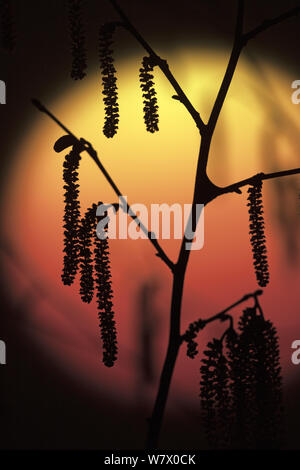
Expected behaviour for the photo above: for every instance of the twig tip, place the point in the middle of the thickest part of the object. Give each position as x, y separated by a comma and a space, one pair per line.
37, 104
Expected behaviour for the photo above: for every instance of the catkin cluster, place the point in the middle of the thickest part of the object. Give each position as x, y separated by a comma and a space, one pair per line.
110, 89
104, 300
77, 37
259, 381
86, 236
7, 32
95, 273
109, 79
84, 250
241, 387
151, 117
71, 216
257, 234
190, 336
214, 394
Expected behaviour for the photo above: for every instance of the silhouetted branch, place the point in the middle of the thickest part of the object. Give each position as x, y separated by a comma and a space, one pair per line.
268, 23
86, 146
222, 315
236, 187
233, 61
229, 330
258, 306
204, 192
240, 41
200, 324
162, 64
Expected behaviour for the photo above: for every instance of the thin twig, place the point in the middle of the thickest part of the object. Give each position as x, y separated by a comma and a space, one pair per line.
162, 64
258, 306
236, 187
268, 23
86, 146
223, 314
228, 330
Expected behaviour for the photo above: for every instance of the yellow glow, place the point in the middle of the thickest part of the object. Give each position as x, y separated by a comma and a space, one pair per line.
250, 137
152, 168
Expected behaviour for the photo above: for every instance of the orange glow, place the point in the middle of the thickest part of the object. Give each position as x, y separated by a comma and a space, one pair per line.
153, 169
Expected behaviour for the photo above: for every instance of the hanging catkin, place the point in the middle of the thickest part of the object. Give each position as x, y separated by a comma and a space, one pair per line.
86, 238
77, 36
214, 395
271, 403
101, 279
260, 342
258, 240
84, 249
104, 300
151, 117
109, 79
7, 33
190, 336
255, 383
243, 404
71, 216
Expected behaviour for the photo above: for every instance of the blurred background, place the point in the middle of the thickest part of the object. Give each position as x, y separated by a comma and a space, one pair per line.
55, 392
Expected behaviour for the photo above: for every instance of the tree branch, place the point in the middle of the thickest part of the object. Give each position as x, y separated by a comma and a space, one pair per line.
240, 20
268, 23
204, 189
162, 64
240, 42
222, 316
86, 146
233, 61
236, 187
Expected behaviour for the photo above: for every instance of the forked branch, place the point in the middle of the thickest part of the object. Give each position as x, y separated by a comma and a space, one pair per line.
240, 41
268, 23
204, 192
86, 146
162, 64
222, 316
231, 67
236, 187
194, 328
